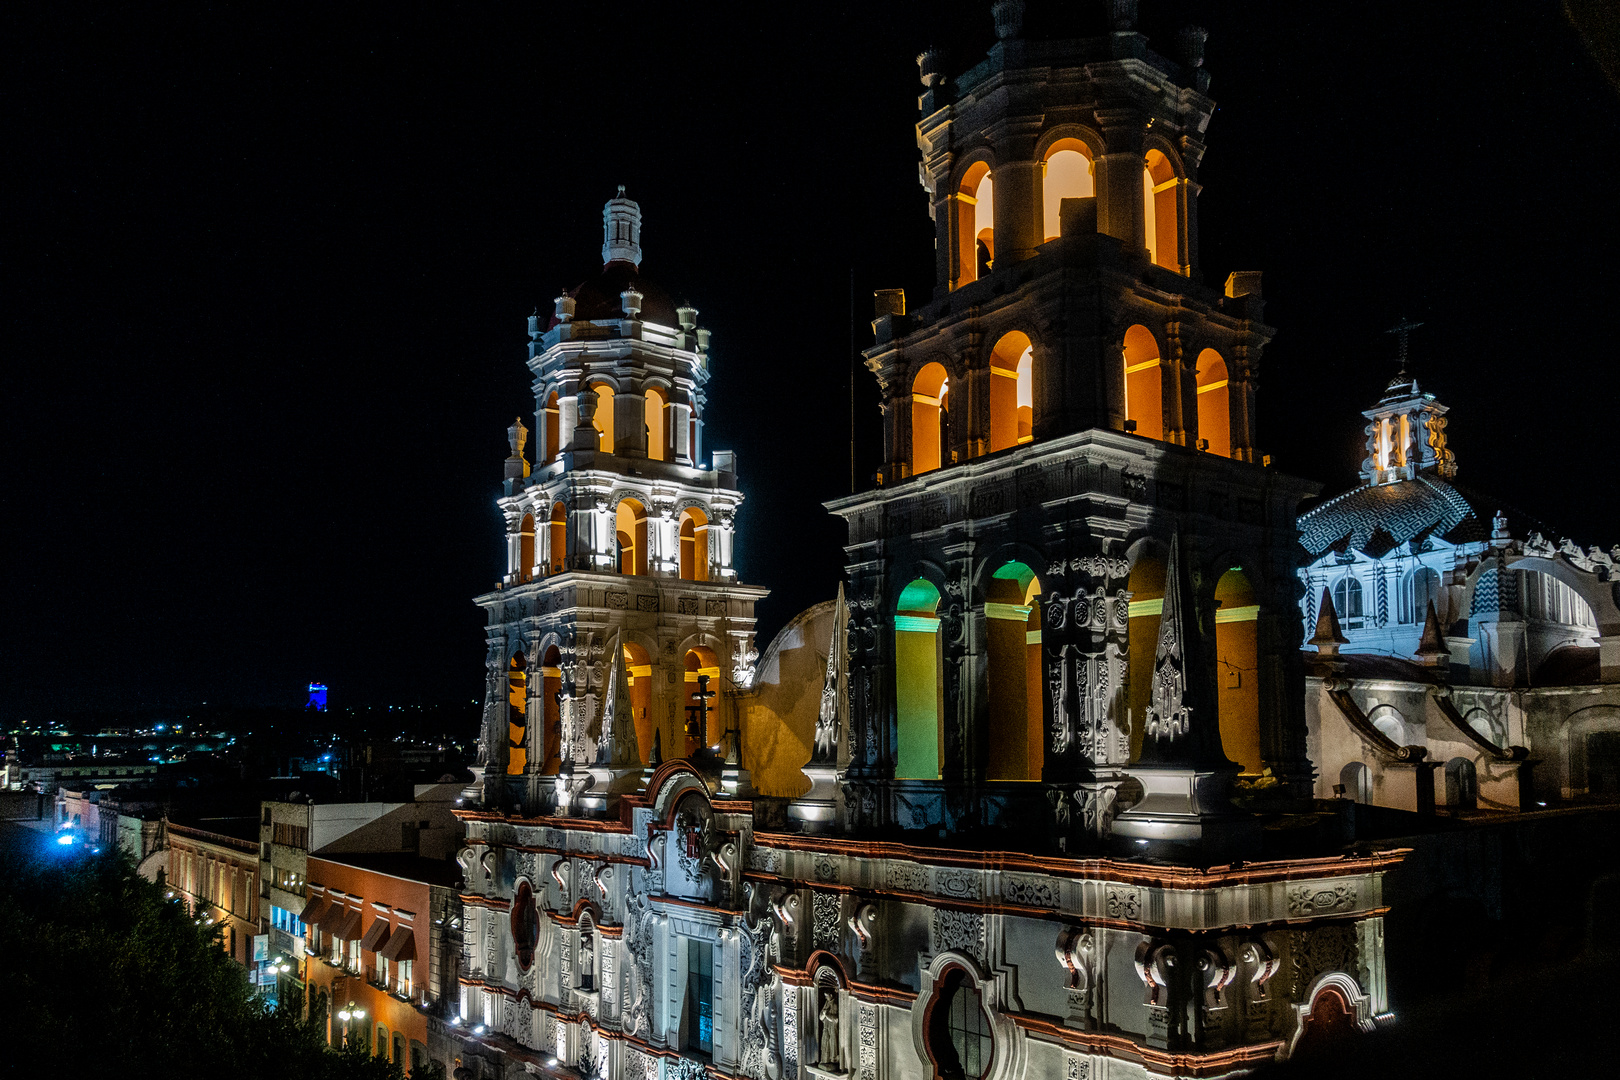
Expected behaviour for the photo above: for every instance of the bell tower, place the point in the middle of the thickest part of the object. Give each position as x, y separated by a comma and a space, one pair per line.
1071, 406
619, 631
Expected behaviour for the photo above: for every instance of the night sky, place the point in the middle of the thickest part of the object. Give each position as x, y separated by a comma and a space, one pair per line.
266, 276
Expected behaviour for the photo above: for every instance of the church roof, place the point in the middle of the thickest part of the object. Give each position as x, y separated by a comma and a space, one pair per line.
1376, 519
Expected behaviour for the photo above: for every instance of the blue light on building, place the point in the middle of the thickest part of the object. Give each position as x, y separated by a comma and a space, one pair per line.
317, 697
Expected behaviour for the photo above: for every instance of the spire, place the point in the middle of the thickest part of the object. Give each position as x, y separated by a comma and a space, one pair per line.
1431, 650
829, 719
616, 746
621, 230
1407, 433
1328, 637
1182, 727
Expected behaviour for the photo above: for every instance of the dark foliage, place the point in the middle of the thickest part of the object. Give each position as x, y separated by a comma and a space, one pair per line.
109, 977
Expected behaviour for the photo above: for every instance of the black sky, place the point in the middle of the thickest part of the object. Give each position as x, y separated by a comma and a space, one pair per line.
266, 273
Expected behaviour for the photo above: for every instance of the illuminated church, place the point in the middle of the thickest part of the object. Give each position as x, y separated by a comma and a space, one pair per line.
1000, 807
1464, 659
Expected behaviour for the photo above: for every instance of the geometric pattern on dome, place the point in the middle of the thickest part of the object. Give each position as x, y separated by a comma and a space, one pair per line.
1375, 520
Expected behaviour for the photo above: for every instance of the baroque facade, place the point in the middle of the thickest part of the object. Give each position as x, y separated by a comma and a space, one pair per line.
1067, 640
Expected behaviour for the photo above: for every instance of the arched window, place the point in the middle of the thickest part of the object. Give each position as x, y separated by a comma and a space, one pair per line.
1420, 587
959, 1039
1237, 668
1146, 586
638, 669
1486, 727
975, 224
1388, 719
930, 442
655, 410
1012, 613
1144, 383
552, 420
559, 537
1462, 784
399, 1048
517, 714
602, 419
1214, 405
1068, 173
1160, 212
525, 566
382, 1041
703, 720
917, 689
694, 533
1356, 779
1347, 603
551, 709
1010, 385
631, 537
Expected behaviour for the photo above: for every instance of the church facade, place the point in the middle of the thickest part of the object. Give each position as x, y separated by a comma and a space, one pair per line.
1000, 808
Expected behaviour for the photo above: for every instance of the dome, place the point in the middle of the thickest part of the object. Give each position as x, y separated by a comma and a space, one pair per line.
599, 297
1376, 519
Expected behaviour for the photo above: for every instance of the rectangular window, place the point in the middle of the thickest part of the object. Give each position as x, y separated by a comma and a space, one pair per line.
405, 977
700, 996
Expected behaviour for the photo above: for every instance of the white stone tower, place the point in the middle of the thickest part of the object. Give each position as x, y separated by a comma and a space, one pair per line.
619, 550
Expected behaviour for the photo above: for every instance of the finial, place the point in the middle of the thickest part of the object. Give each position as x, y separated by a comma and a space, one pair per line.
1192, 40
621, 230
1009, 16
621, 191
1431, 650
1123, 13
1328, 637
1401, 330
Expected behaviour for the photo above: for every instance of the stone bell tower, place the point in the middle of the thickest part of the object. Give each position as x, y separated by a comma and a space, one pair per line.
1071, 399
619, 631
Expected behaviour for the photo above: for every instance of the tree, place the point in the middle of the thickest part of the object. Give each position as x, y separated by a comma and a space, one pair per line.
109, 976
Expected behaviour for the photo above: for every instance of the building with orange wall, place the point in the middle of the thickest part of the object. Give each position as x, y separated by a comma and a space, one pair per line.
378, 960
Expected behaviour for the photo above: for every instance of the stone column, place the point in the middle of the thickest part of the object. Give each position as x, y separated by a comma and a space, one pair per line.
680, 414
1119, 178
1018, 211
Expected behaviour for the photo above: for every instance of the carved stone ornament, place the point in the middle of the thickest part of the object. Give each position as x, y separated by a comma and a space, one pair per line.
1320, 900
1124, 903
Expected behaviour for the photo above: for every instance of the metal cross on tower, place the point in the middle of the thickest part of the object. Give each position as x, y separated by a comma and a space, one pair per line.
697, 714
1401, 330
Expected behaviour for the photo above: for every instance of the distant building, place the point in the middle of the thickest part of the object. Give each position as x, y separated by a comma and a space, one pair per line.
1465, 659
290, 831
383, 943
317, 697
217, 875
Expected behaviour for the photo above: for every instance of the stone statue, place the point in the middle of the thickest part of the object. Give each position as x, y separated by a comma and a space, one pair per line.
587, 961
831, 1045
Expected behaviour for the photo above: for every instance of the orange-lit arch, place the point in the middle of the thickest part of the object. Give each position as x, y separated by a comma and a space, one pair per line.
1214, 404
1012, 391
638, 668
525, 566
517, 714
930, 443
1067, 173
702, 717
1238, 669
552, 433
551, 709
1012, 612
655, 412
602, 420
1144, 382
975, 223
1161, 211
630, 524
558, 537
694, 536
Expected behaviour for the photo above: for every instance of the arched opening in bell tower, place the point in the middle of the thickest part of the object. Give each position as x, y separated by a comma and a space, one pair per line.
551, 708
976, 226
1146, 586
638, 669
559, 537
918, 690
1012, 613
930, 410
703, 722
1237, 669
602, 419
1144, 383
694, 534
1067, 173
655, 410
552, 433
517, 714
1012, 391
630, 537
1161, 218
1214, 405
525, 566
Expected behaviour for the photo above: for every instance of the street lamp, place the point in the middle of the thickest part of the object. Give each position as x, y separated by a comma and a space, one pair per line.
350, 1013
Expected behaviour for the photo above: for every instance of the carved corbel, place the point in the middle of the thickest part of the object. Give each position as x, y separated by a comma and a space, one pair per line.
1215, 974
1156, 966
863, 924
561, 870
1076, 951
